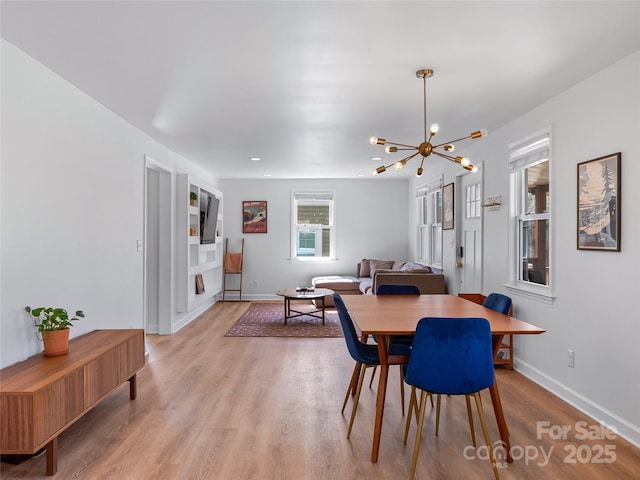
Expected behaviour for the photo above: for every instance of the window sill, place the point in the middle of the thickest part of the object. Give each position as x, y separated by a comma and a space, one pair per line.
540, 293
312, 260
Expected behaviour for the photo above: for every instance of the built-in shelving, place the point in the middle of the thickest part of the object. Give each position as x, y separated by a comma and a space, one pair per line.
193, 257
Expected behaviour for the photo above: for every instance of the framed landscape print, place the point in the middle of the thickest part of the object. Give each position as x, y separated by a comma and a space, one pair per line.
254, 216
599, 203
447, 207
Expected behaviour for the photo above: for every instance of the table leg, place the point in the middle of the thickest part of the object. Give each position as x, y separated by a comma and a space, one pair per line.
323, 310
285, 310
383, 348
52, 457
497, 404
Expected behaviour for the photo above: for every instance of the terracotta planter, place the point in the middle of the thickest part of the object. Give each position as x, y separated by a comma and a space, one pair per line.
56, 342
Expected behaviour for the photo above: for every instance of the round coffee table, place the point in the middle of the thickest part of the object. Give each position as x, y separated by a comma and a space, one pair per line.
301, 294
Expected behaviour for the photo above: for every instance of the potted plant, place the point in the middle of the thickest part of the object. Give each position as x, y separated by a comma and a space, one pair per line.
53, 325
193, 196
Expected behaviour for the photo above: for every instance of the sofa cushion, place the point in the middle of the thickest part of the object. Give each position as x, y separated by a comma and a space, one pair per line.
365, 284
398, 265
379, 264
337, 283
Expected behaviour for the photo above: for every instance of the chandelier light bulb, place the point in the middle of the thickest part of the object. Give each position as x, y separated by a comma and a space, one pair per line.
390, 149
379, 170
400, 164
419, 172
465, 162
434, 128
484, 132
449, 148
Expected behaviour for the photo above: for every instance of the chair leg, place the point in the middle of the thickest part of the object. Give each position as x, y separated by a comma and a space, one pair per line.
438, 400
416, 447
412, 406
401, 388
485, 432
470, 415
352, 384
356, 400
373, 375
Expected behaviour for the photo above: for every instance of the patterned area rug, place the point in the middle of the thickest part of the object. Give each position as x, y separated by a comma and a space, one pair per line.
267, 320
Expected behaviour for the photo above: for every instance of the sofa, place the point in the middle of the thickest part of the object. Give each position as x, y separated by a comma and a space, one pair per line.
372, 272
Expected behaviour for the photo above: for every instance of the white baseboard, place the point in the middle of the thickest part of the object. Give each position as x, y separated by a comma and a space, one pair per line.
598, 413
252, 298
193, 314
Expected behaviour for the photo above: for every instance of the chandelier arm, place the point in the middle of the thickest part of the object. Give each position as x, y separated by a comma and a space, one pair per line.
448, 157
451, 141
400, 145
408, 158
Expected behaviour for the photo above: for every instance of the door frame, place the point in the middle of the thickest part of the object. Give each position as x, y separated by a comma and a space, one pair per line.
165, 229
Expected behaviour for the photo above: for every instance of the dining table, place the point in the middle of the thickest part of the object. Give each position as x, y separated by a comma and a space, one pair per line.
387, 315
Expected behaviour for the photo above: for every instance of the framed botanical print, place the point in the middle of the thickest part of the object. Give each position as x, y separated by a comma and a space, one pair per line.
599, 203
254, 216
447, 207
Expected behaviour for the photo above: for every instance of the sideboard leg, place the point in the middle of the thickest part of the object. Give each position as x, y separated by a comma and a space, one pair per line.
52, 457
133, 388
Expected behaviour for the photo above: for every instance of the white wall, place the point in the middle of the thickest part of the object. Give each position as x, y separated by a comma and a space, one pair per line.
371, 222
594, 312
72, 206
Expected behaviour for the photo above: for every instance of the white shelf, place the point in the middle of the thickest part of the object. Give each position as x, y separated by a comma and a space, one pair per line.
195, 258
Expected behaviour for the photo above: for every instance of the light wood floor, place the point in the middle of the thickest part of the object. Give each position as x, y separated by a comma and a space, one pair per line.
211, 407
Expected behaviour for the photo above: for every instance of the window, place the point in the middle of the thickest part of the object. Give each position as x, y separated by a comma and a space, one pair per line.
530, 201
472, 201
313, 229
429, 223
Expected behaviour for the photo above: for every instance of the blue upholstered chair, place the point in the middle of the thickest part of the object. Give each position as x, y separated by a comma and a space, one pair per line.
365, 355
397, 289
451, 356
498, 302
501, 303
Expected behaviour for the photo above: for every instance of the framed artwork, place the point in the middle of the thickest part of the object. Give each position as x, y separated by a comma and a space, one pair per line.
254, 216
447, 207
599, 203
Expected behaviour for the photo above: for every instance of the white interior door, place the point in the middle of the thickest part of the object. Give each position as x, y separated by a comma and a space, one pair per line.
469, 250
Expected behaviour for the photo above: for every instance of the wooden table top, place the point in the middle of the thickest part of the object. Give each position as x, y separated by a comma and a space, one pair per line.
399, 314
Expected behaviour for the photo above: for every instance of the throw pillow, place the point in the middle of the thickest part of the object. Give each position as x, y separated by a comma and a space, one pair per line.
365, 268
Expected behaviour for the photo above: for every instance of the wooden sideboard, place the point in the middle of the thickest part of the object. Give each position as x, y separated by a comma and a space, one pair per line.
42, 396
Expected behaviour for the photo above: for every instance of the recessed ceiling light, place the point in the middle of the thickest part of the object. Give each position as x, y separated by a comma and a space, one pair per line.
360, 175
266, 175
376, 159
255, 159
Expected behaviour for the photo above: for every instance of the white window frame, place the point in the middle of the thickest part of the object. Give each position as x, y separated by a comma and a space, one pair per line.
429, 225
308, 196
523, 154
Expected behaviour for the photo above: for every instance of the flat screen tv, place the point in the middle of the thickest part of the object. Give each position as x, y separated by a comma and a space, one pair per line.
209, 205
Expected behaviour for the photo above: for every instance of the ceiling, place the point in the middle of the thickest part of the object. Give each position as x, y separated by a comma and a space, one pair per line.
303, 85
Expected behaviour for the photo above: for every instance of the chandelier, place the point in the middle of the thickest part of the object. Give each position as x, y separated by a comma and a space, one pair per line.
426, 148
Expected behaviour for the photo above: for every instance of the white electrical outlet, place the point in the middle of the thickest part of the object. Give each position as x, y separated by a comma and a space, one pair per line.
570, 359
